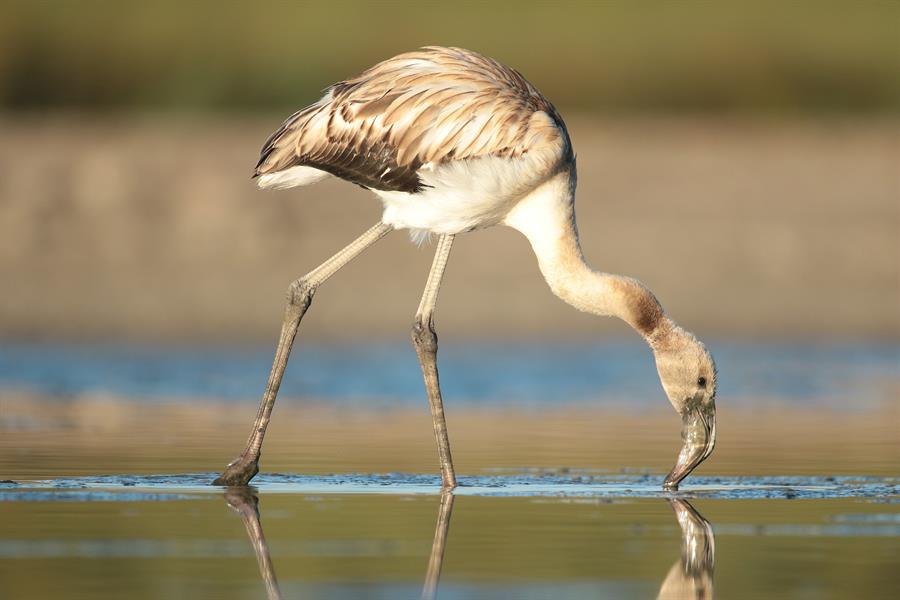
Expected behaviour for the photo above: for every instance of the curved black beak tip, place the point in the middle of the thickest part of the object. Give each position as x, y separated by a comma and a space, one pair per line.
698, 436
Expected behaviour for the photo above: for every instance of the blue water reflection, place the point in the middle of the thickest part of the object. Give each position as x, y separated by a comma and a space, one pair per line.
534, 373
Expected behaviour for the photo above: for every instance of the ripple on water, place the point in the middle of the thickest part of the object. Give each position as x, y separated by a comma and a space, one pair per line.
531, 484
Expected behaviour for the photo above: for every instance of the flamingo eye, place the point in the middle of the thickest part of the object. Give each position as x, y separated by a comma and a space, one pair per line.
702, 382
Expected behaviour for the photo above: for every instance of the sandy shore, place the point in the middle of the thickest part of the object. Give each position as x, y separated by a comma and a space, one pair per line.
151, 229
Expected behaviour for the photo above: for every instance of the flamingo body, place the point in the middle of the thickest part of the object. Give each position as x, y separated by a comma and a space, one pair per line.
449, 140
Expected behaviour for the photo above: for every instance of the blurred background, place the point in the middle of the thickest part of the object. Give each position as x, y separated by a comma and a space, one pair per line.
755, 148
740, 159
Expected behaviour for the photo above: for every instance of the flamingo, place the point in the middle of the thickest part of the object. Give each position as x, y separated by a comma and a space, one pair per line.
452, 141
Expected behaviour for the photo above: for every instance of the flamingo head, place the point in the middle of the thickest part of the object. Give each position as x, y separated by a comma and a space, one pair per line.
688, 376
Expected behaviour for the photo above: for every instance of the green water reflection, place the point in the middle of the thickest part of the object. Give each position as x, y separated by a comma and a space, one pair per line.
371, 546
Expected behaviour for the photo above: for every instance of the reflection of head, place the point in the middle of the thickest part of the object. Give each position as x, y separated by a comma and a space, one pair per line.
692, 575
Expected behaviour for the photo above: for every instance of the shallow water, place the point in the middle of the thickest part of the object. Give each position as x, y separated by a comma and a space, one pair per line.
800, 500
531, 535
534, 484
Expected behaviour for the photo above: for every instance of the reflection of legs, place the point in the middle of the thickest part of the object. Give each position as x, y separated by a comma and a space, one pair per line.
436, 560
425, 340
299, 297
246, 504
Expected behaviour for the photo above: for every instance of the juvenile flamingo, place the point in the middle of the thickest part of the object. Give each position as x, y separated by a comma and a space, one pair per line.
452, 141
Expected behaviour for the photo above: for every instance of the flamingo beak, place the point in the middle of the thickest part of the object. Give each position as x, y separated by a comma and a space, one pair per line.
698, 438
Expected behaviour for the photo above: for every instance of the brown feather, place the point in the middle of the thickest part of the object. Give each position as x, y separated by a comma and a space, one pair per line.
427, 106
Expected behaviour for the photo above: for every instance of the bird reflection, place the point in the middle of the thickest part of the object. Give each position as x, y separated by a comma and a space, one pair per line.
691, 577
436, 559
245, 503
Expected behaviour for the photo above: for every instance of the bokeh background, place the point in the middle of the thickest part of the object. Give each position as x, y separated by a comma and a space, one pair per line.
742, 160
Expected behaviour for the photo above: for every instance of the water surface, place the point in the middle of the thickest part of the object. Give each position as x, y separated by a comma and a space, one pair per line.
524, 536
561, 451
533, 484
852, 376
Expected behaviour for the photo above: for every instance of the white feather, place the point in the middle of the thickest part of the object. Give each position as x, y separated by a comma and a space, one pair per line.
463, 195
292, 177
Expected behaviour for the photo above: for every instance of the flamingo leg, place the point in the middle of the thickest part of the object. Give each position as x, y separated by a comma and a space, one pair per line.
299, 297
425, 341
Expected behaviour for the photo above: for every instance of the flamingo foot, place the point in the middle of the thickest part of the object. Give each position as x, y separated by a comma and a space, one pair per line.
239, 472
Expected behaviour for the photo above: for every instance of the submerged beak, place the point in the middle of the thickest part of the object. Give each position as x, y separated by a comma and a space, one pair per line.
698, 436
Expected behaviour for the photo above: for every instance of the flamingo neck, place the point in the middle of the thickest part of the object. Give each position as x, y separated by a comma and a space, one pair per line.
547, 218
